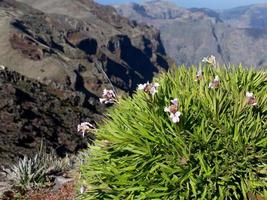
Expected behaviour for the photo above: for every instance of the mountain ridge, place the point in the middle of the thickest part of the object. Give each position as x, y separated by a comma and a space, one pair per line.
197, 32
251, 16
66, 37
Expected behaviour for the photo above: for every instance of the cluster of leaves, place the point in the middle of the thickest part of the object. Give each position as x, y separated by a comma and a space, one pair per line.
33, 172
218, 150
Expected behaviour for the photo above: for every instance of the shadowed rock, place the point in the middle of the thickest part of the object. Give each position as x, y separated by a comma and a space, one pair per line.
32, 112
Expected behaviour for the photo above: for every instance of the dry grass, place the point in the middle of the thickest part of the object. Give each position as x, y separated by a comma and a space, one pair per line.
66, 192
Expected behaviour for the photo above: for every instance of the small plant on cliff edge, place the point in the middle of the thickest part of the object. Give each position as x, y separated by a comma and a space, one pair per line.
33, 171
216, 150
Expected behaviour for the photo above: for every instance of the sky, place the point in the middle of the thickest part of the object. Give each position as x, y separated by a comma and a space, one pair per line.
214, 4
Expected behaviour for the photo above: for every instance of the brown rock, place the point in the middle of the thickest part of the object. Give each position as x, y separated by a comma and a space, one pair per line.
28, 117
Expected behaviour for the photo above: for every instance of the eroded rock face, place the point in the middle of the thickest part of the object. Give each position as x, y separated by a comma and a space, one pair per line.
81, 37
31, 112
234, 36
70, 48
26, 46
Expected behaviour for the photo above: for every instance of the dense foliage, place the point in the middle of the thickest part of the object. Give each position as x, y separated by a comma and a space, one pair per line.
217, 149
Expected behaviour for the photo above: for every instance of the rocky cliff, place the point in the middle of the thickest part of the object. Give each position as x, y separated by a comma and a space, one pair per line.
32, 113
79, 46
59, 60
190, 34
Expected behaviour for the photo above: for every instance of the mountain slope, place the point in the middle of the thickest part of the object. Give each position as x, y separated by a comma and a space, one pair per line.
32, 113
58, 66
57, 47
190, 34
253, 16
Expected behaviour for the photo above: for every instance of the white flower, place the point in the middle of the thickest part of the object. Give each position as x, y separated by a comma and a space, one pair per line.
84, 127
102, 100
142, 86
210, 85
210, 60
205, 60
215, 83
154, 89
82, 189
199, 75
175, 117
167, 109
108, 97
251, 100
249, 94
149, 88
2, 67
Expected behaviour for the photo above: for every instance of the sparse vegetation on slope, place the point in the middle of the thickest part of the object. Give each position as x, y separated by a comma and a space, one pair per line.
213, 146
37, 171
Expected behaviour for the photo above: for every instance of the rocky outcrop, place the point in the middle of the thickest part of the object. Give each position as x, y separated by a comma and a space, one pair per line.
26, 46
32, 113
58, 45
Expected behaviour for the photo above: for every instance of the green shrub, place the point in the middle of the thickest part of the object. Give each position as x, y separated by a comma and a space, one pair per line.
218, 149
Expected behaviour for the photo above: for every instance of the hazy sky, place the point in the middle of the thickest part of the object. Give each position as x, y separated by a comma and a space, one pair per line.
215, 4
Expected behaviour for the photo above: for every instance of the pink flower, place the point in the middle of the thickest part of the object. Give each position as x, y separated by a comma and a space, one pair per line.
149, 88
84, 127
251, 100
175, 117
173, 111
215, 83
108, 97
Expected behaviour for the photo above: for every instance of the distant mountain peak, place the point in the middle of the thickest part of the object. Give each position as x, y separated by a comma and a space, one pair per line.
162, 3
163, 9
157, 1
154, 1
190, 34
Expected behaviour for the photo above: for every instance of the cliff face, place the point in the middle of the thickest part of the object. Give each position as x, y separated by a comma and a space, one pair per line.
252, 16
31, 112
58, 63
80, 44
190, 34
